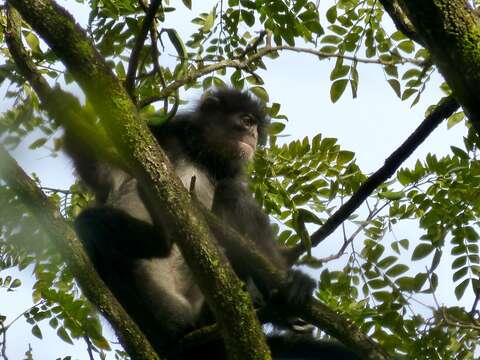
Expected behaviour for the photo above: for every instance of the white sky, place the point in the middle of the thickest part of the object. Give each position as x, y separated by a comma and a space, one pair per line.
373, 125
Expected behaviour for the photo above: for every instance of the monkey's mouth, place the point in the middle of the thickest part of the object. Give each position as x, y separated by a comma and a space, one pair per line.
244, 144
246, 148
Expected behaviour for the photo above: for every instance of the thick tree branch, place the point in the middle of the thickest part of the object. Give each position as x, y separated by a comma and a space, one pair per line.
451, 33
444, 109
127, 331
139, 43
223, 290
61, 106
400, 19
72, 251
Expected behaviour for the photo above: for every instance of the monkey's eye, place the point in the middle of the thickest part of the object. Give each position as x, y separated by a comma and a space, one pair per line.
248, 119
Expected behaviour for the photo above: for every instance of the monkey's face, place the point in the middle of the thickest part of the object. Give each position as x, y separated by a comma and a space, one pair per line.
233, 136
247, 133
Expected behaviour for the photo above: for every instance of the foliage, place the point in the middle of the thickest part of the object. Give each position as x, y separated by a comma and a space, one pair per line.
377, 282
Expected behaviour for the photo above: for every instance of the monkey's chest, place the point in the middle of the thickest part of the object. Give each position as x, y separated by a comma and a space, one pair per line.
196, 180
170, 278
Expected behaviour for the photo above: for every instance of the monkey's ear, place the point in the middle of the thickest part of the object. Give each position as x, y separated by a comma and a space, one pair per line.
209, 103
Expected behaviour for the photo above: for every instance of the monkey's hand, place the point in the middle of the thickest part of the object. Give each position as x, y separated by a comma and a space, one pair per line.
296, 290
291, 297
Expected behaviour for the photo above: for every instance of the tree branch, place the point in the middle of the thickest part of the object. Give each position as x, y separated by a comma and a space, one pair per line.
139, 43
61, 106
223, 290
247, 63
449, 29
401, 20
444, 109
73, 253
314, 312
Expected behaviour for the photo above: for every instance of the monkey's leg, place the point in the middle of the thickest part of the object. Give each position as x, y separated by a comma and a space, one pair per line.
105, 230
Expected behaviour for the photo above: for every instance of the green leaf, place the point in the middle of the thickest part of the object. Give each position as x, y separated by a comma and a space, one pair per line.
408, 46
276, 128
38, 143
459, 152
395, 86
177, 42
62, 334
397, 270
332, 14
37, 332
391, 70
460, 274
209, 21
460, 289
411, 73
421, 251
331, 39
187, 3
344, 157
389, 260
403, 177
406, 283
33, 43
455, 119
101, 343
274, 109
248, 17
337, 89
459, 262
392, 195
329, 49
339, 72
53, 322
383, 296
338, 29
260, 92
16, 283
308, 217
377, 284
436, 259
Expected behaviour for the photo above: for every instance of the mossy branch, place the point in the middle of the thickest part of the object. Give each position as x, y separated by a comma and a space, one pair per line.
451, 33
314, 312
142, 154
72, 251
60, 232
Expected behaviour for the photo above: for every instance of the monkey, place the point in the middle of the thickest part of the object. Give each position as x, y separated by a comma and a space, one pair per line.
210, 146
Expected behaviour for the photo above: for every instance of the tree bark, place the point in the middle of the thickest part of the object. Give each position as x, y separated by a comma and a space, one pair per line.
450, 30
73, 253
223, 290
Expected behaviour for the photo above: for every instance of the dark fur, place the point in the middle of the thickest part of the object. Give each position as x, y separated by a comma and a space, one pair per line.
153, 282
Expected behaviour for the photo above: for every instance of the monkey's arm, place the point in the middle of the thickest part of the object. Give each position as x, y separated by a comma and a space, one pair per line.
234, 204
96, 174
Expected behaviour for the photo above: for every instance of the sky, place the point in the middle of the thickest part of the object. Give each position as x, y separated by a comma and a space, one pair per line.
373, 125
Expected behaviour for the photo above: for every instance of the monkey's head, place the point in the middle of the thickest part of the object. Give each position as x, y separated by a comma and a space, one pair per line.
221, 133
233, 124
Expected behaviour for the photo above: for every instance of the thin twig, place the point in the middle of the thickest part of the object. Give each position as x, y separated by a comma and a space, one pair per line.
352, 237
444, 109
89, 347
3, 342
139, 43
66, 192
41, 302
248, 62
